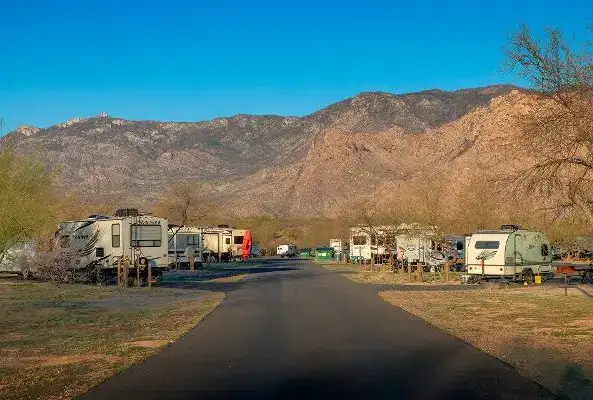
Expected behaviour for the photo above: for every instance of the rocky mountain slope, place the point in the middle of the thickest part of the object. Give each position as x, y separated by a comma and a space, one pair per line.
309, 165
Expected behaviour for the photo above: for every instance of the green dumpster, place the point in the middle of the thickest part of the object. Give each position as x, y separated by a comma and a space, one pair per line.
324, 254
305, 253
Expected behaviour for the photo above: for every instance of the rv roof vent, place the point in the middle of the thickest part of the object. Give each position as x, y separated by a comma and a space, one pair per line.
126, 212
510, 227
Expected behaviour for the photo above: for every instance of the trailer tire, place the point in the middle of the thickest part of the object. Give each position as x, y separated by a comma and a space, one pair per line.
528, 277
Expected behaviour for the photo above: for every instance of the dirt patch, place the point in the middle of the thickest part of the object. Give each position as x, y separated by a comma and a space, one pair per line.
148, 343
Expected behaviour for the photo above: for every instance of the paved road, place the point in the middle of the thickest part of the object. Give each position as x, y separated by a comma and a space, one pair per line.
310, 333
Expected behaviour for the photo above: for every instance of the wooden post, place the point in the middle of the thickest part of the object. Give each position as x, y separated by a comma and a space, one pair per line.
420, 271
446, 267
149, 266
119, 270
137, 274
126, 271
191, 262
409, 268
565, 284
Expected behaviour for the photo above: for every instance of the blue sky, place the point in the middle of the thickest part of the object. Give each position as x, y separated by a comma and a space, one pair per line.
194, 60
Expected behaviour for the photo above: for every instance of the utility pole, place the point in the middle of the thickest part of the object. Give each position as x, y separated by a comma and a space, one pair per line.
1, 126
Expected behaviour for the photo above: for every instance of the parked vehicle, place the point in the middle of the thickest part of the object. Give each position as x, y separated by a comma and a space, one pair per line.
185, 241
223, 243
286, 250
255, 250
336, 244
408, 243
454, 250
510, 253
99, 242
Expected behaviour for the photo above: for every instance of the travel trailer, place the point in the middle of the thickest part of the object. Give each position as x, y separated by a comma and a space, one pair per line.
286, 250
411, 243
185, 241
510, 253
98, 242
336, 244
223, 242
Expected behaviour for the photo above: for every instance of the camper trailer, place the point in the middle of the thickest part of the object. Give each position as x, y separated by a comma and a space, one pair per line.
368, 241
185, 241
223, 242
411, 243
98, 242
336, 244
510, 253
286, 250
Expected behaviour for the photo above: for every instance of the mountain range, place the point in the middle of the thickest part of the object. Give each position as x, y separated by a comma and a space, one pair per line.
363, 147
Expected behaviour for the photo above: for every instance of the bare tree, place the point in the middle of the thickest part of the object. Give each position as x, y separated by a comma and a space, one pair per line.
186, 203
558, 131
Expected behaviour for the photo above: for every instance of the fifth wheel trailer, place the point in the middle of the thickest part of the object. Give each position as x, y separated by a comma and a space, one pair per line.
99, 242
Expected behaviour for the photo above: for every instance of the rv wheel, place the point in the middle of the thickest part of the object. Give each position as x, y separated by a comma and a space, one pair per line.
528, 277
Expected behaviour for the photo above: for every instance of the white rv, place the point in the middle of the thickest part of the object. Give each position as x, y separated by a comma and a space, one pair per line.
410, 242
222, 242
511, 252
286, 250
98, 242
185, 241
336, 244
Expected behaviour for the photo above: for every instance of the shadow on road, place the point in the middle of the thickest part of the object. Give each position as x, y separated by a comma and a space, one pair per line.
214, 283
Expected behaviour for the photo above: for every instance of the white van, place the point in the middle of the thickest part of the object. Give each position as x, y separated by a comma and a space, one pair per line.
511, 252
286, 250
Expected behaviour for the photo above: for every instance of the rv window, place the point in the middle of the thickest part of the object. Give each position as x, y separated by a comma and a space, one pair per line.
359, 240
238, 240
545, 250
227, 240
487, 244
192, 240
145, 236
65, 242
99, 252
459, 246
115, 236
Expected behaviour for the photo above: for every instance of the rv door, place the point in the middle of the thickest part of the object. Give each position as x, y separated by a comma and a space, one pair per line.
518, 249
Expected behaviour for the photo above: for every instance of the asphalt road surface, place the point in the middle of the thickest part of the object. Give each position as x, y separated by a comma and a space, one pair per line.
306, 332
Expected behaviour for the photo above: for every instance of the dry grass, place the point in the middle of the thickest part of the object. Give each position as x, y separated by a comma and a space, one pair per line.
545, 335
384, 275
229, 279
56, 345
